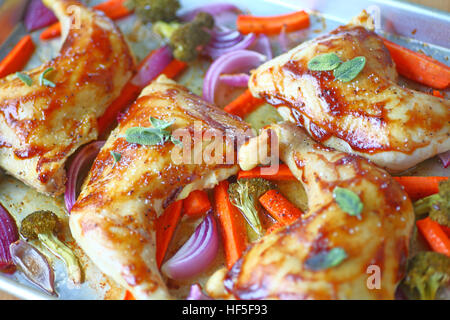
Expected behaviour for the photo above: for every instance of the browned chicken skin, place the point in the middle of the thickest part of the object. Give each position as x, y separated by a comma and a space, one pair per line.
113, 219
276, 267
41, 126
371, 115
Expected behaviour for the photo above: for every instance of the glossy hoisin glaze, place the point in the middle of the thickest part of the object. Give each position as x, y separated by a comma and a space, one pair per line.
371, 116
113, 219
276, 267
41, 126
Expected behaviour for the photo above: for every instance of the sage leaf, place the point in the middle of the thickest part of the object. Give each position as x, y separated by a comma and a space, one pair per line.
160, 124
176, 141
46, 82
324, 62
116, 156
348, 201
326, 259
348, 70
25, 78
144, 136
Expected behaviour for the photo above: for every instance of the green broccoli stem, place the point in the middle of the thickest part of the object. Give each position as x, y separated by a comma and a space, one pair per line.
423, 206
64, 253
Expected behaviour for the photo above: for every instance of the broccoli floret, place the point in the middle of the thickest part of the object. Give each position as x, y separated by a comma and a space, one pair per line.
42, 225
437, 205
154, 10
185, 39
244, 194
427, 273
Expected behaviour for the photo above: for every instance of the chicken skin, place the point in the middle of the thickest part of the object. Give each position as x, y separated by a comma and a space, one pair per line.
371, 115
114, 216
42, 124
289, 263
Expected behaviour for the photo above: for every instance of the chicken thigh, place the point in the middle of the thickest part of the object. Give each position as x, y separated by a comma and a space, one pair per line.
42, 124
371, 115
114, 216
329, 252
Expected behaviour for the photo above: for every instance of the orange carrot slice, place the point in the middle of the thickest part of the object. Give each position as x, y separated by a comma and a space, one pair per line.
244, 104
18, 57
232, 224
274, 24
420, 187
196, 204
279, 207
283, 174
165, 228
435, 236
419, 67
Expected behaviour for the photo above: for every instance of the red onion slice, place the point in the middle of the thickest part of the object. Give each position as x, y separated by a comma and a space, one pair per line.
196, 254
225, 35
8, 235
34, 265
235, 80
86, 155
213, 9
196, 293
445, 158
152, 67
262, 45
234, 61
283, 40
216, 50
38, 16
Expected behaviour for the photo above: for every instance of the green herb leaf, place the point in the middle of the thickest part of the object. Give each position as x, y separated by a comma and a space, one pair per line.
160, 124
348, 201
116, 156
324, 62
25, 78
326, 259
144, 136
151, 136
176, 141
45, 82
348, 70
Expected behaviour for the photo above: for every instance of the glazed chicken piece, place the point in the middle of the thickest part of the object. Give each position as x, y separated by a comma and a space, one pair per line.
40, 125
371, 115
113, 219
285, 264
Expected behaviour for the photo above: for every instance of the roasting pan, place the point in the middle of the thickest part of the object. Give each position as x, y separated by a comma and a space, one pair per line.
398, 21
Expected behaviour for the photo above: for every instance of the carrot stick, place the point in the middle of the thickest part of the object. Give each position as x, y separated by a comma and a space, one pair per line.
129, 296
165, 228
128, 95
174, 68
18, 57
283, 174
437, 93
446, 230
244, 104
279, 207
232, 223
435, 236
420, 187
419, 67
114, 9
273, 25
196, 204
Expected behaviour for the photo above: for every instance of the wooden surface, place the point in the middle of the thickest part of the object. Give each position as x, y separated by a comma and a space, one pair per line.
439, 4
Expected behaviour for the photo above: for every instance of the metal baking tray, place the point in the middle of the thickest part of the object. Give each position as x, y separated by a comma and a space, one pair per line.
416, 27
